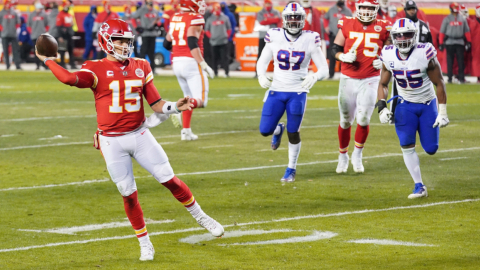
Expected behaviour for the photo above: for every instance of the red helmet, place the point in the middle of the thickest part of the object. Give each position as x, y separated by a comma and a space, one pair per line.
454, 7
366, 15
112, 29
196, 6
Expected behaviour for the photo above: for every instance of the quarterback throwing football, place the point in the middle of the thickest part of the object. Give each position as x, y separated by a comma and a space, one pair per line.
119, 84
291, 49
358, 45
416, 69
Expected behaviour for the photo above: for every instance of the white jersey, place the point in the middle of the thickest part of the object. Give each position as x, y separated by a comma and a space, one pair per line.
413, 83
291, 58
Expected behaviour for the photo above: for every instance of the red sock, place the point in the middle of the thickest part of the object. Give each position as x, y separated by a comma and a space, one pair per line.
361, 135
344, 138
135, 214
186, 118
196, 103
180, 191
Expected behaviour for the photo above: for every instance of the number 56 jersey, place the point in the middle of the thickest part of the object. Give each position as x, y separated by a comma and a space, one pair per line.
410, 74
291, 58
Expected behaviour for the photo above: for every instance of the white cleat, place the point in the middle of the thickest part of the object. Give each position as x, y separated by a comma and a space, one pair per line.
215, 228
176, 120
342, 166
419, 191
188, 135
146, 252
357, 163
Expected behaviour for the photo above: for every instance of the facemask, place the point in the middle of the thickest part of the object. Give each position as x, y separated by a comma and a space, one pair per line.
413, 18
38, 6
217, 12
392, 14
341, 3
268, 9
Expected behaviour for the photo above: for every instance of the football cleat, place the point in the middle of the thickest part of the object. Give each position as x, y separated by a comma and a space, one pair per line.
215, 228
176, 119
188, 135
289, 175
357, 163
419, 191
342, 166
146, 251
277, 139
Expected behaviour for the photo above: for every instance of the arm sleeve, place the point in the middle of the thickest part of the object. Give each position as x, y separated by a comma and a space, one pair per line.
260, 16
320, 62
264, 60
79, 79
443, 28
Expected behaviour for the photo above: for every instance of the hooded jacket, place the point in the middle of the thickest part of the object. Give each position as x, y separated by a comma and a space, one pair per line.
231, 17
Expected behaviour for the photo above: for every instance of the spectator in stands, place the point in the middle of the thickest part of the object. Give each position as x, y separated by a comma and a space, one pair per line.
423, 31
149, 18
64, 24
267, 18
455, 37
24, 40
218, 29
52, 12
384, 11
474, 25
420, 14
38, 22
88, 24
335, 13
9, 20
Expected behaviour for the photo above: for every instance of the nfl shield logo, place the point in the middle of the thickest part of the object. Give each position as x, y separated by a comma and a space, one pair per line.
392, 65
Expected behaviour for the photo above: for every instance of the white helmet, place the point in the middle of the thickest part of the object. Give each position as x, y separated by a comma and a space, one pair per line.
367, 15
293, 18
404, 35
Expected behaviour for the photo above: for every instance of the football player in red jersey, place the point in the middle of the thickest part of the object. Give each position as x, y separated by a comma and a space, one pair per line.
185, 39
358, 45
118, 83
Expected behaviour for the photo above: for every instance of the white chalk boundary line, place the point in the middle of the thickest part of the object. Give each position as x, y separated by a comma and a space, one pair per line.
388, 242
236, 170
298, 239
243, 224
454, 158
197, 238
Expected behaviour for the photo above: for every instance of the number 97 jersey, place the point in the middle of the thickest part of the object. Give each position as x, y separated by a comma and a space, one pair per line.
291, 58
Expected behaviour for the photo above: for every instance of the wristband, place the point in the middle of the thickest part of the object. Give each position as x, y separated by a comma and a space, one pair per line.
45, 61
381, 104
442, 109
170, 108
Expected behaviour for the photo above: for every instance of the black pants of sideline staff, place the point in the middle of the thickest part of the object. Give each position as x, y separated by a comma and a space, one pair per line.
220, 56
331, 58
148, 48
456, 51
6, 41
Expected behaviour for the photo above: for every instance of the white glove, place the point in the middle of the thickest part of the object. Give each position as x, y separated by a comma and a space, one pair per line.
309, 81
385, 116
349, 57
154, 120
377, 63
442, 118
207, 69
264, 81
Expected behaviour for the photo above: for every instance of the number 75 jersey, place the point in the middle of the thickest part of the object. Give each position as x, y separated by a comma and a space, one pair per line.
291, 58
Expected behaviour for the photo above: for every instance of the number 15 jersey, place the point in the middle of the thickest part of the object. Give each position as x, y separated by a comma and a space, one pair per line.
291, 58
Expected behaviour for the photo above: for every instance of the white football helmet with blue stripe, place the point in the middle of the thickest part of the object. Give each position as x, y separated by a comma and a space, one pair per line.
293, 18
404, 35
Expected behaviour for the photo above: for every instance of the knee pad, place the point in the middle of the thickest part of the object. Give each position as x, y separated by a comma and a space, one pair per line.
123, 178
163, 172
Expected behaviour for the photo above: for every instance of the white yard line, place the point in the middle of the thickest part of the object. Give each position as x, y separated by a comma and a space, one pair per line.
244, 224
326, 153
7, 135
197, 238
216, 146
453, 158
309, 238
43, 145
58, 185
388, 242
46, 118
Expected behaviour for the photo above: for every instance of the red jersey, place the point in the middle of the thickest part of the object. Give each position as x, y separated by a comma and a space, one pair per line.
167, 16
179, 25
367, 41
64, 19
118, 91
105, 16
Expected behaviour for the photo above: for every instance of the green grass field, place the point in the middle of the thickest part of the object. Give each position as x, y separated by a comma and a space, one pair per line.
321, 221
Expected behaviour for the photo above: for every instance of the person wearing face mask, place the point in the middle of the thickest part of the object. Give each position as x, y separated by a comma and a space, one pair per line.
402, 14
38, 22
218, 30
149, 18
475, 30
51, 9
9, 20
64, 25
335, 13
88, 24
267, 18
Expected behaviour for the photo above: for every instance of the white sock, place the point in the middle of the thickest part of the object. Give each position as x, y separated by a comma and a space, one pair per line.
293, 152
187, 129
357, 151
413, 164
195, 210
277, 130
144, 239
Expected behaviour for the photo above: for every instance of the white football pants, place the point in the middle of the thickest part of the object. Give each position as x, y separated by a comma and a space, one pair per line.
192, 79
356, 97
142, 146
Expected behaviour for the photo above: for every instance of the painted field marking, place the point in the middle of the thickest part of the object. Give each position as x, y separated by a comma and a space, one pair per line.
443, 159
243, 224
278, 149
239, 169
94, 227
56, 137
247, 117
7, 135
388, 242
46, 118
322, 97
197, 238
215, 146
309, 238
326, 153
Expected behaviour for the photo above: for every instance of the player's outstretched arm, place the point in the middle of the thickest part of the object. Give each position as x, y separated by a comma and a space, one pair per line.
435, 74
262, 65
193, 34
78, 79
384, 113
167, 107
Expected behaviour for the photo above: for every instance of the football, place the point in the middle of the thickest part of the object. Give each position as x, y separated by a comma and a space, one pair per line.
47, 45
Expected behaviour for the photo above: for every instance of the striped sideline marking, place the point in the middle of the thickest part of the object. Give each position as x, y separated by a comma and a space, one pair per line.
243, 224
388, 242
238, 169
